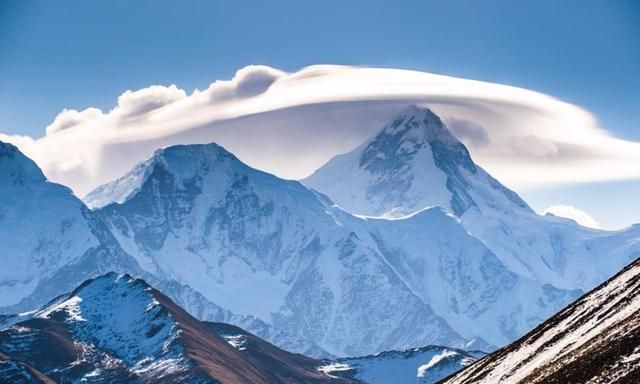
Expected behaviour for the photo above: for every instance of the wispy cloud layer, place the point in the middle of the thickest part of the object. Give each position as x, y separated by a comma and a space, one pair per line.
291, 123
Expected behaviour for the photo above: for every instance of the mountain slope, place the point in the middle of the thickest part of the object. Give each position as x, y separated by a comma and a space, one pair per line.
419, 365
260, 352
273, 243
415, 162
594, 340
50, 240
118, 329
16, 372
348, 285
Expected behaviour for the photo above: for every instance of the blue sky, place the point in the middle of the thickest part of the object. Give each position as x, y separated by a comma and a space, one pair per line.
76, 54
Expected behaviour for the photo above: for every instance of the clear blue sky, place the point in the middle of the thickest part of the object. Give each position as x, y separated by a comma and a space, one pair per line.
76, 54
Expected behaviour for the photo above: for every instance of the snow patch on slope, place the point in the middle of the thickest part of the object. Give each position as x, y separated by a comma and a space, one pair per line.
419, 365
120, 314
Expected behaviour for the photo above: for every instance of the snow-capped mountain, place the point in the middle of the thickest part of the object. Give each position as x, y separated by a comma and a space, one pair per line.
261, 246
270, 249
594, 340
50, 241
424, 365
415, 162
230, 243
116, 329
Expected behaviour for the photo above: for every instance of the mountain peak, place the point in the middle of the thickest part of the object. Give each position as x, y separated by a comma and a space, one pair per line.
190, 160
186, 160
109, 279
182, 163
55, 235
419, 124
6, 148
410, 132
101, 290
211, 151
419, 112
412, 163
16, 168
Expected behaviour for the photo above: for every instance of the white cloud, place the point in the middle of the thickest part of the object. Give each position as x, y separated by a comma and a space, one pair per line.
249, 81
69, 118
140, 102
291, 123
571, 212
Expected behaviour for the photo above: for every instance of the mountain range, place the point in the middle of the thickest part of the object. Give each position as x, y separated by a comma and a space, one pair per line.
117, 329
401, 243
415, 162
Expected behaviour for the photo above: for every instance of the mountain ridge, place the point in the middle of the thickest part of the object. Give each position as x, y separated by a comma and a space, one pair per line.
595, 339
51, 230
441, 172
115, 328
311, 277
216, 216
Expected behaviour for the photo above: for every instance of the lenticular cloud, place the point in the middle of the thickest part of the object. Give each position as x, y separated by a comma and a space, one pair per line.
290, 124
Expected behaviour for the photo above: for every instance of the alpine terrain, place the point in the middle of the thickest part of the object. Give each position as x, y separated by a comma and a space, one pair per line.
594, 340
415, 162
116, 329
272, 249
419, 247
55, 243
50, 240
424, 365
17, 372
